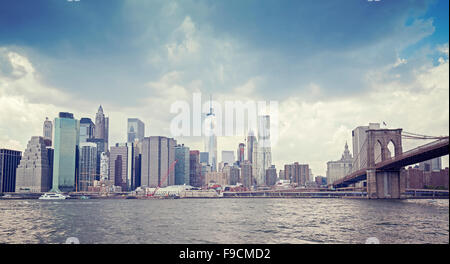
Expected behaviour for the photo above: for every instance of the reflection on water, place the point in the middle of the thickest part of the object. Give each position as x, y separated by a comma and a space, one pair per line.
225, 221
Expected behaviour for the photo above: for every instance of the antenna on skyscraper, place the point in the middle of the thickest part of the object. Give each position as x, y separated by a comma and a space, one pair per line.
210, 104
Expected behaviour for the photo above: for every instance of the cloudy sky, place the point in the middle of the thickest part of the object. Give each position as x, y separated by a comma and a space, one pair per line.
330, 65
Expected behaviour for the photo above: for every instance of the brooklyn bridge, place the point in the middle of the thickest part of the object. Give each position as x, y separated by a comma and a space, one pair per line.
380, 168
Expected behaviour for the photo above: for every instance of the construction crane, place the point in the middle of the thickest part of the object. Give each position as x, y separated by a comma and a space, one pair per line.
172, 166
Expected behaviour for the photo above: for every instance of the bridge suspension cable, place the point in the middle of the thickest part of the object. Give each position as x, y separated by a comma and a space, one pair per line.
409, 135
358, 156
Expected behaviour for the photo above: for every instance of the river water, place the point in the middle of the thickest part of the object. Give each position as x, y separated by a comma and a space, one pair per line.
225, 221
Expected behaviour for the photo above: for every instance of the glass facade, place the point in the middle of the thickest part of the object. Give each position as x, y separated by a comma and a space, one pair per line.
182, 165
88, 166
135, 130
86, 129
9, 160
66, 141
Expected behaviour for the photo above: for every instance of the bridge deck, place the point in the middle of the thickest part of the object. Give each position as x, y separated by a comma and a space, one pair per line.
425, 152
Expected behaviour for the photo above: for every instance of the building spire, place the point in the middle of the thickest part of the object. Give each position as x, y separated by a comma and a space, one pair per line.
210, 105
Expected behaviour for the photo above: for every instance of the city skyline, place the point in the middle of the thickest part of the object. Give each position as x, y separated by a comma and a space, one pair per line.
402, 71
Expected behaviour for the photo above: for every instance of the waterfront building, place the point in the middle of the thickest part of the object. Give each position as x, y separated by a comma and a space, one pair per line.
9, 160
65, 164
204, 157
182, 167
240, 153
232, 174
205, 168
87, 128
431, 165
211, 138
134, 165
88, 166
104, 166
196, 173
340, 168
48, 132
271, 176
158, 156
50, 158
246, 174
417, 178
297, 173
118, 165
135, 130
34, 172
101, 147
359, 137
228, 157
102, 126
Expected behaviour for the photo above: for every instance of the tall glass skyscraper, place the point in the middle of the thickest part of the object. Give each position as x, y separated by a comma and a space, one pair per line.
88, 165
182, 165
86, 129
9, 160
135, 130
66, 141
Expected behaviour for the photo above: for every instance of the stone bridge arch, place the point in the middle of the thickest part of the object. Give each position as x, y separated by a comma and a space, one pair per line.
384, 137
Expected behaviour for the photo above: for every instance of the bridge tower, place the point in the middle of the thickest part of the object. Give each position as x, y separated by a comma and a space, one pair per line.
383, 183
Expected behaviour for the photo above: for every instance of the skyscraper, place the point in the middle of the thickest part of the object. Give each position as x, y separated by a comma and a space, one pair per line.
182, 165
87, 128
137, 157
211, 138
102, 126
118, 165
271, 176
101, 147
157, 156
251, 141
241, 153
9, 160
66, 141
196, 177
297, 173
88, 165
246, 174
48, 132
34, 172
232, 173
264, 149
135, 130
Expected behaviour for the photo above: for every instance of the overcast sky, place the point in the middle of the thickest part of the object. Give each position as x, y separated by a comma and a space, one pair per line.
330, 65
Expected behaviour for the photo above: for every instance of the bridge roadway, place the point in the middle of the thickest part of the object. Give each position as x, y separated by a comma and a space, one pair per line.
425, 152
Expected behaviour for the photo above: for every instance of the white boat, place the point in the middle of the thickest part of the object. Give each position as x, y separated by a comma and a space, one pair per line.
53, 196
